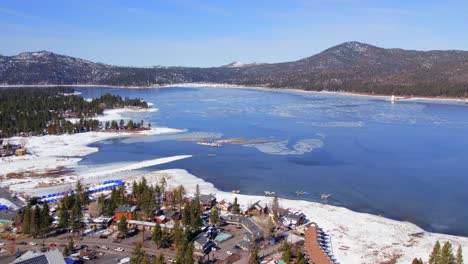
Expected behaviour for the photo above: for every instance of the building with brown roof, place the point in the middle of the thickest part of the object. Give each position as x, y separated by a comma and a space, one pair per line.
312, 246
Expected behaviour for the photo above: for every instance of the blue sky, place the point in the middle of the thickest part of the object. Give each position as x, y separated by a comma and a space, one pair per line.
212, 33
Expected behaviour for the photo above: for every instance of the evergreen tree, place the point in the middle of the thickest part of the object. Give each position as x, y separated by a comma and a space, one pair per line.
195, 214
64, 217
122, 227
165, 239
417, 261
76, 215
301, 259
137, 255
274, 208
459, 258
214, 216
178, 234
35, 221
186, 221
70, 246
447, 254
159, 259
45, 219
235, 206
253, 257
435, 256
189, 254
157, 235
27, 221
287, 255
145, 259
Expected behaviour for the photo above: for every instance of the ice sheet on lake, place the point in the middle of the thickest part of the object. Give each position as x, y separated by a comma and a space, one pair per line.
281, 147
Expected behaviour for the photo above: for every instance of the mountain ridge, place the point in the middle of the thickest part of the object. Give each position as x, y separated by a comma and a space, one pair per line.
350, 66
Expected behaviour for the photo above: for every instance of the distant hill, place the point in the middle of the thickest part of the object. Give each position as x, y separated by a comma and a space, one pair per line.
351, 66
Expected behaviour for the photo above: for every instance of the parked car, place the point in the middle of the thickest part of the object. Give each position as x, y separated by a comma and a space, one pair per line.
105, 247
22, 243
2, 244
52, 245
32, 243
119, 249
229, 253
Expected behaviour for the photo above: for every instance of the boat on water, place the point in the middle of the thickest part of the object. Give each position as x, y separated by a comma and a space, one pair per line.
325, 196
235, 191
268, 193
393, 99
210, 144
298, 193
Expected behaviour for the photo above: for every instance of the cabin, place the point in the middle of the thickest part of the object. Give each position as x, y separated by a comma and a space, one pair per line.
99, 222
225, 206
200, 243
255, 209
293, 219
126, 211
207, 200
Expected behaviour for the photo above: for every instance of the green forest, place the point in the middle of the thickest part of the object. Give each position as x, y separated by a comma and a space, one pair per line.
40, 111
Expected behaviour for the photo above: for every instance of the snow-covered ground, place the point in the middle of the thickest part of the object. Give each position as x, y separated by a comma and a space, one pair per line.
53, 151
116, 114
356, 237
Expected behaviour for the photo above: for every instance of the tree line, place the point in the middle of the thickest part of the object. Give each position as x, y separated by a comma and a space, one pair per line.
443, 255
36, 111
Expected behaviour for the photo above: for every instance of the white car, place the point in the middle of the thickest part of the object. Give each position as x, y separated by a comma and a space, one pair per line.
32, 243
87, 258
2, 244
105, 247
119, 249
171, 260
229, 253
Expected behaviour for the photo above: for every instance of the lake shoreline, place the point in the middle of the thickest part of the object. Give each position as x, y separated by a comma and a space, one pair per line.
386, 97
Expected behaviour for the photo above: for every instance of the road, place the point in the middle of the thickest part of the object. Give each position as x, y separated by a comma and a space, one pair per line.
148, 246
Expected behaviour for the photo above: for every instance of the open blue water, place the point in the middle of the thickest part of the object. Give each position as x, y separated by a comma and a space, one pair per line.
407, 161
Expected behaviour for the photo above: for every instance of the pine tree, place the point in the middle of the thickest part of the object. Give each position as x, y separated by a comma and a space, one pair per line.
287, 255
189, 254
27, 221
45, 219
35, 221
76, 215
157, 235
214, 216
186, 221
195, 214
447, 254
159, 259
253, 257
70, 245
178, 233
235, 206
435, 255
274, 208
122, 227
301, 259
64, 217
459, 258
417, 261
137, 255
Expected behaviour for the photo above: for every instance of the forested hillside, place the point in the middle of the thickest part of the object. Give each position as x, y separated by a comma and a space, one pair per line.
351, 66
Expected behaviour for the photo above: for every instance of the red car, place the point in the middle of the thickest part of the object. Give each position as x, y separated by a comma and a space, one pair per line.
52, 245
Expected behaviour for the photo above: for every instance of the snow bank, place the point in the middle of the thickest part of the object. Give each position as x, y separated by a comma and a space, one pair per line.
53, 151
